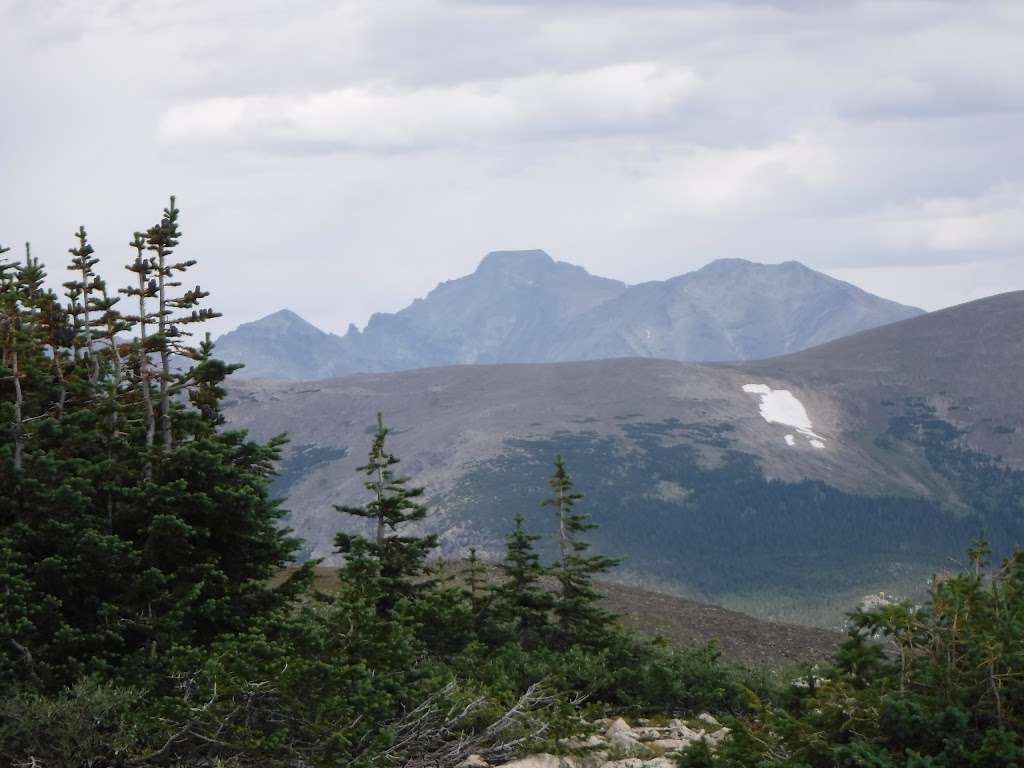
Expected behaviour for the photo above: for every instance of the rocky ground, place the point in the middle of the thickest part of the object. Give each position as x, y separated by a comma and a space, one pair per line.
617, 744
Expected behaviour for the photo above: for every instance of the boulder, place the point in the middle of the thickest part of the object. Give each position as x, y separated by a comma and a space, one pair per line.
474, 761
626, 742
669, 745
618, 725
591, 742
543, 761
709, 719
681, 730
716, 738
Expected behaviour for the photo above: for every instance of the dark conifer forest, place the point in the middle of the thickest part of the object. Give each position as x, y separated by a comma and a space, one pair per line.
144, 619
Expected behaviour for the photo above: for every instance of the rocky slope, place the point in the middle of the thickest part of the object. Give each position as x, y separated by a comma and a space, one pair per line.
790, 487
523, 306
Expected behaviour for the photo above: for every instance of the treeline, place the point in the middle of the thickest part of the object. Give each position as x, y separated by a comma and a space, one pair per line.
141, 620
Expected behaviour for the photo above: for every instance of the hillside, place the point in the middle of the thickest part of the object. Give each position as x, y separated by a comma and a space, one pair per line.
686, 623
523, 306
883, 471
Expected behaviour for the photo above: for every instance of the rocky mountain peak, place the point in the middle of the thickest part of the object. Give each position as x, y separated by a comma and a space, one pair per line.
282, 321
523, 306
516, 262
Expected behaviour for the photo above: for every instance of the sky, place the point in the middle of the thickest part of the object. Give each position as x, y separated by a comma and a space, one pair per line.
341, 157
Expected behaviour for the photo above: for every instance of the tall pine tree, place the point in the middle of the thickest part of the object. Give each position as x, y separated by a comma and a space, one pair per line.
521, 601
579, 616
399, 559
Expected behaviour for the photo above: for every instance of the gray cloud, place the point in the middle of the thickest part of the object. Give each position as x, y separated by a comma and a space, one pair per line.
343, 157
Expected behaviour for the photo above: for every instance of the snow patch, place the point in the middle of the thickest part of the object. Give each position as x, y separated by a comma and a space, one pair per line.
780, 406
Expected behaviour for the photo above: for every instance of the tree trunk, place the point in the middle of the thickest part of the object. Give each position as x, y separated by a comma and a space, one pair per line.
147, 392
165, 356
94, 373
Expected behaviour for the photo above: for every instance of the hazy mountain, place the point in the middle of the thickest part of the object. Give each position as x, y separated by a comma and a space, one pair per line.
522, 306
730, 310
280, 346
886, 465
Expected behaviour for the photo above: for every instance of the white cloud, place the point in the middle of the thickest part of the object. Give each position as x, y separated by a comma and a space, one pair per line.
620, 98
882, 141
933, 286
991, 221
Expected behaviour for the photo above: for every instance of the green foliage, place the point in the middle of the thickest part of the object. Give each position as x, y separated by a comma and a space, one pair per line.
110, 552
579, 616
948, 691
520, 600
89, 723
396, 560
139, 623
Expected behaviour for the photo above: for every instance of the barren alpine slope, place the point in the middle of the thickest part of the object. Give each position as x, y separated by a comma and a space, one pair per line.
791, 487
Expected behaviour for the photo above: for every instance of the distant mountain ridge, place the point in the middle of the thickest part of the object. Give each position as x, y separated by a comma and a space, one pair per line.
523, 306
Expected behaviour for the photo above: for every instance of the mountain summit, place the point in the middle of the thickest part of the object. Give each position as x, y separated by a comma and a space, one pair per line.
523, 306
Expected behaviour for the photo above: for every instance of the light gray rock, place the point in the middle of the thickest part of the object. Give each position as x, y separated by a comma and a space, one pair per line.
637, 762
669, 745
709, 719
474, 761
618, 725
626, 742
544, 761
716, 738
591, 742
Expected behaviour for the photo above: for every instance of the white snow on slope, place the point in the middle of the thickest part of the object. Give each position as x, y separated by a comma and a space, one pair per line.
780, 406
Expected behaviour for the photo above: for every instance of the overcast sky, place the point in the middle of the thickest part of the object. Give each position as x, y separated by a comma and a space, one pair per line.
340, 158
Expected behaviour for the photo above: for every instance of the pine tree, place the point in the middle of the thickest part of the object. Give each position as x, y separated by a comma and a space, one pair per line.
399, 559
580, 617
10, 342
173, 312
80, 293
144, 290
108, 558
474, 575
520, 599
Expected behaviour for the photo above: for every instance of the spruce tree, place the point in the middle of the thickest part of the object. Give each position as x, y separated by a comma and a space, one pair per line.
80, 292
144, 290
172, 314
10, 344
474, 575
520, 599
109, 556
398, 559
579, 615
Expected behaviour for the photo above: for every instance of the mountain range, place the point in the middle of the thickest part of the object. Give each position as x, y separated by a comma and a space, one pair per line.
790, 487
523, 306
